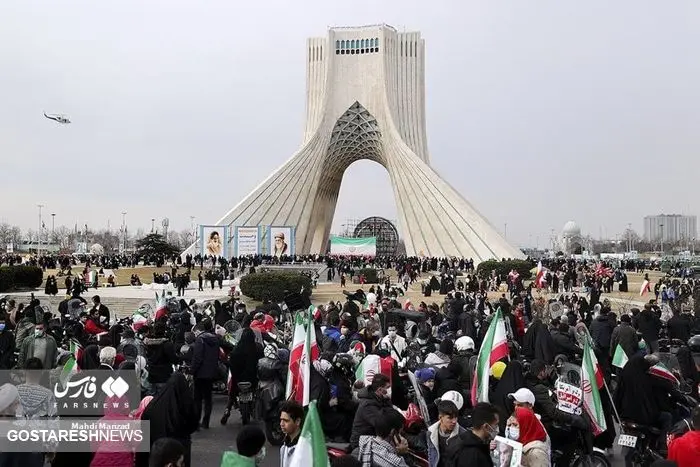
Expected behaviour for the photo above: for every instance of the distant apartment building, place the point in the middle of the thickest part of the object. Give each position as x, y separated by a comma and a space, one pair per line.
670, 228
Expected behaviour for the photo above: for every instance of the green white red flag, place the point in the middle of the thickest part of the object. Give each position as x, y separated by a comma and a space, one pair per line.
311, 447
304, 351
661, 371
620, 358
591, 394
371, 365
493, 348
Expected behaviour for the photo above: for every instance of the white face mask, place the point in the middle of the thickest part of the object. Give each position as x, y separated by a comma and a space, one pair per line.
260, 457
392, 335
513, 432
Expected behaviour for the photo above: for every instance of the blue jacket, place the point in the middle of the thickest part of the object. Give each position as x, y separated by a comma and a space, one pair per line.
432, 442
332, 333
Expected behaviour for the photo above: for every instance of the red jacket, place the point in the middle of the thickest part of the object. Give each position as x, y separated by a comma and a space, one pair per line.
685, 450
91, 327
265, 326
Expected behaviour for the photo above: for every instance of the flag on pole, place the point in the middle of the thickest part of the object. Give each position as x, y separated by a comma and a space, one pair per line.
75, 348
371, 365
311, 447
539, 278
161, 306
591, 395
295, 354
645, 288
493, 348
304, 351
620, 357
69, 369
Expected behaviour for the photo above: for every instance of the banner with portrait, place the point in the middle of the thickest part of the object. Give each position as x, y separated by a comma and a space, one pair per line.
280, 240
213, 240
247, 240
508, 453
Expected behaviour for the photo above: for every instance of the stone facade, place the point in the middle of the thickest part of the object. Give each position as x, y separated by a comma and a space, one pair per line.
366, 100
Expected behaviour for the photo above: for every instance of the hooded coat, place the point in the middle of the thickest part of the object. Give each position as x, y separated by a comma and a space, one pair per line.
205, 360
469, 450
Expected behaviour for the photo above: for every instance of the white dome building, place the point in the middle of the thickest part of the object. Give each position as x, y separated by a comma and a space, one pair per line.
97, 249
571, 241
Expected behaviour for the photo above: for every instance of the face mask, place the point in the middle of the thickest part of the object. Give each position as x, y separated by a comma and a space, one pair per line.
38, 332
392, 334
493, 432
260, 457
513, 432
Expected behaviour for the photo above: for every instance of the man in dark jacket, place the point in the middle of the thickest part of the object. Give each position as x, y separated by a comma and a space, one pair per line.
601, 331
373, 400
563, 342
649, 325
472, 447
625, 336
160, 357
679, 326
205, 368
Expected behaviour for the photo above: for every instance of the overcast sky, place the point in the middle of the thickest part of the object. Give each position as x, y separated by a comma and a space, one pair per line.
537, 112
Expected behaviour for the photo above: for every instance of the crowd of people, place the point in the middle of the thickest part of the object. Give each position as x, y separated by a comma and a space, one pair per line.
427, 353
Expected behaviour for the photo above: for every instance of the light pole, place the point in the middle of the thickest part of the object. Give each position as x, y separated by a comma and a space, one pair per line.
194, 235
38, 240
153, 224
53, 222
123, 231
629, 237
662, 240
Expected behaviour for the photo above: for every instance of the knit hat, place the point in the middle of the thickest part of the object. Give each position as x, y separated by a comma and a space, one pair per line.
8, 396
250, 441
425, 374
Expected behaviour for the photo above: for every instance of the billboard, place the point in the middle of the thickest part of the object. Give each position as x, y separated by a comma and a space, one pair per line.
280, 240
247, 240
213, 240
346, 246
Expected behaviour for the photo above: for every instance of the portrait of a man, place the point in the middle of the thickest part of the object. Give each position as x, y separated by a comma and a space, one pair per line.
281, 245
214, 245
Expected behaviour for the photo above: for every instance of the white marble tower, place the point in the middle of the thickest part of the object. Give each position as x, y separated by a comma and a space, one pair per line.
366, 100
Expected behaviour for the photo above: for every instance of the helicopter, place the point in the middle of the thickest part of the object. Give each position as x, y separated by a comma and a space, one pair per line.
58, 118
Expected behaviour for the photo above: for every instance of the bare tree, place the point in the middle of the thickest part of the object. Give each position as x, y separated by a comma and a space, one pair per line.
63, 237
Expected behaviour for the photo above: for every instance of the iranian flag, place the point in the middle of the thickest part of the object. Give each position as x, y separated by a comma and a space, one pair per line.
311, 447
539, 278
493, 348
304, 351
591, 395
663, 372
75, 348
371, 365
161, 306
620, 357
644, 289
69, 369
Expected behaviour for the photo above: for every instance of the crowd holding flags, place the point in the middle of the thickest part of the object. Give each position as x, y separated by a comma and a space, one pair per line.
493, 348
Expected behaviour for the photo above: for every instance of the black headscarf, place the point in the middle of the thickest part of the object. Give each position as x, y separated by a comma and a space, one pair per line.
243, 359
634, 396
512, 379
171, 412
90, 358
538, 343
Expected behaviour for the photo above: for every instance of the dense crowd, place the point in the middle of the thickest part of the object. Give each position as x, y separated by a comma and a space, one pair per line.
394, 382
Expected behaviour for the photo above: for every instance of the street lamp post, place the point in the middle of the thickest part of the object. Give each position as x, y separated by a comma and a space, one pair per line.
38, 237
153, 225
123, 231
53, 222
662, 239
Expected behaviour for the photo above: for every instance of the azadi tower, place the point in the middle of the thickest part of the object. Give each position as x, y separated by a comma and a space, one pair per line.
366, 100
